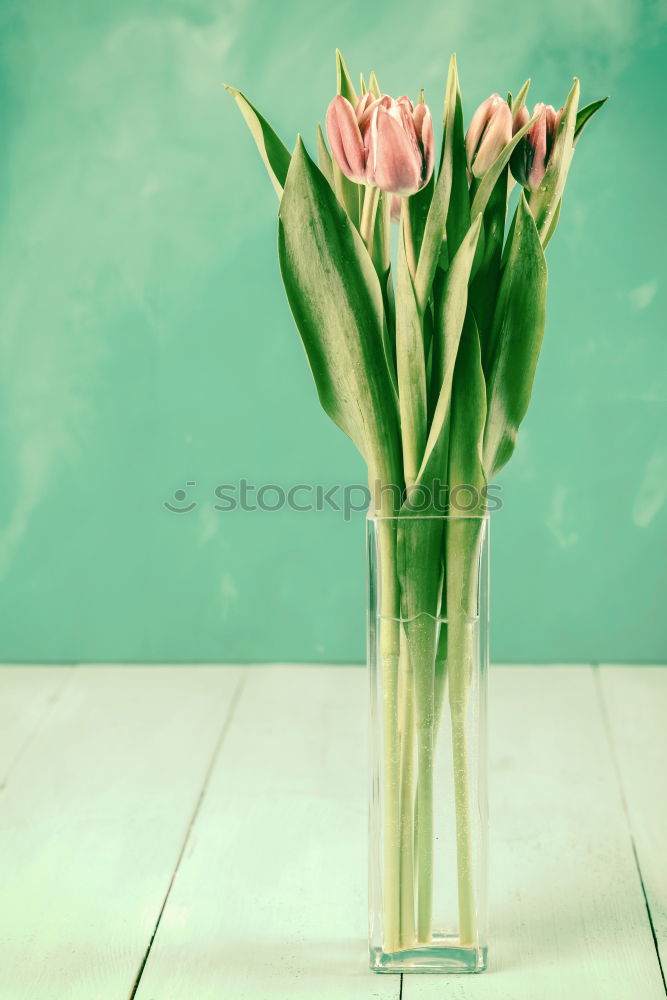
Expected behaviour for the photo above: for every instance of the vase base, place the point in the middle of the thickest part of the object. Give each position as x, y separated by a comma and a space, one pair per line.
444, 955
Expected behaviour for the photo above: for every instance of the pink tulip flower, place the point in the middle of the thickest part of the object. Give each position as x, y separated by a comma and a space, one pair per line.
488, 133
383, 142
531, 157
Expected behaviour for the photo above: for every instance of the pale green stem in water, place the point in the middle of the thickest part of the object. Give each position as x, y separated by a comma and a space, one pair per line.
440, 678
367, 224
407, 802
463, 550
460, 636
439, 687
389, 652
421, 646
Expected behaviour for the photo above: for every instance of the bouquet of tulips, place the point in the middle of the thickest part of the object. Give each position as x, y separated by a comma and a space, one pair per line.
423, 348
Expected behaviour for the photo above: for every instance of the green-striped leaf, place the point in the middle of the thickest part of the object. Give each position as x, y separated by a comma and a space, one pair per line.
520, 99
410, 364
419, 205
436, 222
585, 114
344, 85
484, 285
468, 417
554, 224
324, 161
517, 337
336, 300
275, 155
464, 526
452, 314
419, 543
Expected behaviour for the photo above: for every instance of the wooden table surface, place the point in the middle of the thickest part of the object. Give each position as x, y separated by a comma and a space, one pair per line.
199, 833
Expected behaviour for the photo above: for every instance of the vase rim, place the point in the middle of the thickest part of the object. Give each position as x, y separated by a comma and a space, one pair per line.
428, 517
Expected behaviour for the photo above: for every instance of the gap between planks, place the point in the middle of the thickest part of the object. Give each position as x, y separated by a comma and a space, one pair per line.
195, 812
606, 678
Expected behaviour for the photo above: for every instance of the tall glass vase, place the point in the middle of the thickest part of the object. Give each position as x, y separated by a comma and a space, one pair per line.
428, 658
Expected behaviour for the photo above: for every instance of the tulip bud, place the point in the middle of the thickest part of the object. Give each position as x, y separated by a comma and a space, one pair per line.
347, 145
488, 133
521, 118
531, 157
382, 142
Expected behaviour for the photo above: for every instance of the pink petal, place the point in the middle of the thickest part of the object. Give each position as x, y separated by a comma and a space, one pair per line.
498, 133
536, 138
478, 123
362, 105
368, 112
345, 139
395, 164
553, 121
424, 128
521, 118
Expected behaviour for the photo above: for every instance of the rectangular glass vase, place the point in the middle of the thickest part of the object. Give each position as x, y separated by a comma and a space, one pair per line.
428, 659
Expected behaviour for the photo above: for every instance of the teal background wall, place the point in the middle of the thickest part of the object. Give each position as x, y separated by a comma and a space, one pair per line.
145, 340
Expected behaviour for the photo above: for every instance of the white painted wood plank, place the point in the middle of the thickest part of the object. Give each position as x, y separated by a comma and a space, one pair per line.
568, 914
92, 823
26, 695
270, 901
636, 703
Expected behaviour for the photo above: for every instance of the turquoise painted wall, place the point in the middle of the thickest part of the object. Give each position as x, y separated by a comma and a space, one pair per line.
145, 340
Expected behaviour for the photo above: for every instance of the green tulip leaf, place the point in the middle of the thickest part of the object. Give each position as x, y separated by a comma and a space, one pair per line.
419, 205
410, 364
453, 305
520, 99
336, 300
324, 161
467, 498
374, 86
486, 272
449, 181
517, 338
467, 422
275, 155
344, 85
419, 542
554, 223
585, 114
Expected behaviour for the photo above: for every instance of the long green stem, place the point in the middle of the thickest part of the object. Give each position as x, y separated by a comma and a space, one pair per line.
407, 800
389, 653
422, 641
464, 537
425, 835
460, 670
440, 678
464, 859
367, 224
